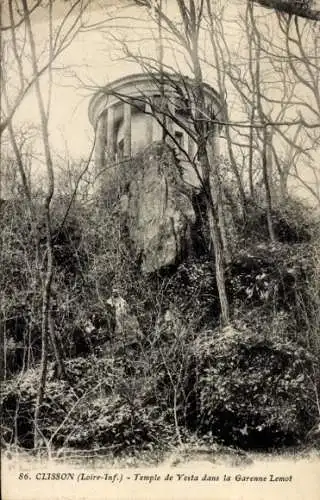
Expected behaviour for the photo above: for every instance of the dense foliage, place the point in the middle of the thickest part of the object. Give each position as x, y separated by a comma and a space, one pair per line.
172, 371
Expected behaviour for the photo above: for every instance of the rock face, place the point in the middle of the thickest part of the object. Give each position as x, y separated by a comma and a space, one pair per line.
157, 208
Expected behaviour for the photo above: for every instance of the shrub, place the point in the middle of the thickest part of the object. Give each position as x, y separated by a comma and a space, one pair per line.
293, 222
254, 386
96, 406
255, 391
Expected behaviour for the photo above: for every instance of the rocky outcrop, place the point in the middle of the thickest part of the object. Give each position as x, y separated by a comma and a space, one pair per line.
157, 208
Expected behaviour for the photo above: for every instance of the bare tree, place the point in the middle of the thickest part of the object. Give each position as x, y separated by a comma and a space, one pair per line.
294, 62
186, 34
308, 9
44, 110
25, 61
17, 78
269, 121
274, 79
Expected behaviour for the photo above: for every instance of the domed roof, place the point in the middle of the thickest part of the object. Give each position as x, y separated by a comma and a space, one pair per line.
146, 84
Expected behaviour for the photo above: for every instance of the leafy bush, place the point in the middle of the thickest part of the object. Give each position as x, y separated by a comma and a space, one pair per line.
293, 222
255, 391
96, 406
254, 386
119, 425
270, 274
192, 291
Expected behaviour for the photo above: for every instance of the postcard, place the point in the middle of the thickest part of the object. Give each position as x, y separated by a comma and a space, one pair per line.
160, 229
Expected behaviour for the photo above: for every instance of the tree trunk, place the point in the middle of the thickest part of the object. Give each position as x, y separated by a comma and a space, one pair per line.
46, 318
215, 236
47, 291
251, 186
57, 350
266, 181
219, 263
217, 194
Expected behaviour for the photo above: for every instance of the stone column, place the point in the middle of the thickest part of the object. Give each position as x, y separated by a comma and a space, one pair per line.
216, 143
110, 135
191, 147
171, 112
127, 130
100, 154
149, 125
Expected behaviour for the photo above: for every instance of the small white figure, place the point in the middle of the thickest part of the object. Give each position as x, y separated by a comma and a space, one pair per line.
126, 323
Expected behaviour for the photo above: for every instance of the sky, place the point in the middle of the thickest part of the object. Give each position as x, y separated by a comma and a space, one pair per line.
94, 58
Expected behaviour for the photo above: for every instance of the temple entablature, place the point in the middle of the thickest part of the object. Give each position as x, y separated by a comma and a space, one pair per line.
131, 113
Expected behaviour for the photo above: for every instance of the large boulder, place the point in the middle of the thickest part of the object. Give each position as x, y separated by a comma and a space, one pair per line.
157, 208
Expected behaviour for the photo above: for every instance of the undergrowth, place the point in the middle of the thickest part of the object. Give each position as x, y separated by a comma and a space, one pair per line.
172, 374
